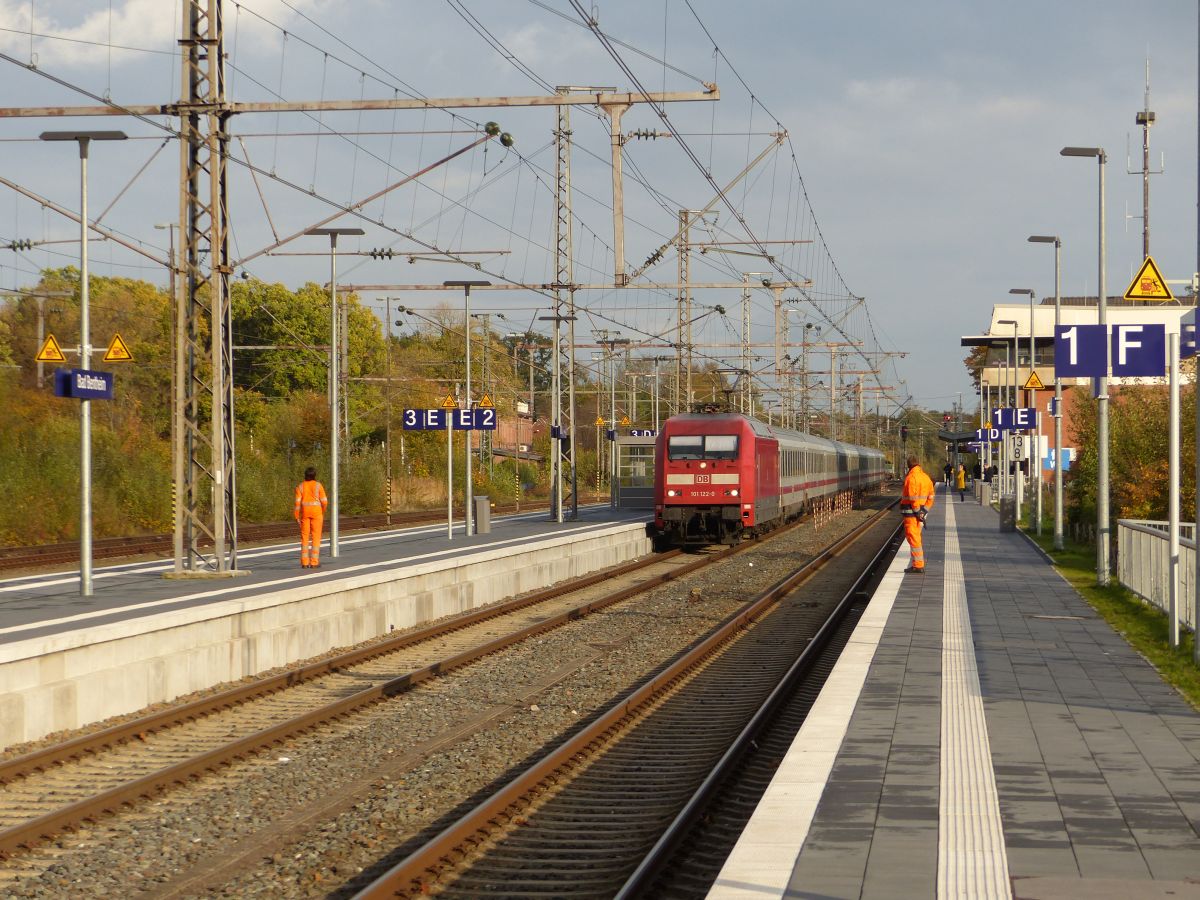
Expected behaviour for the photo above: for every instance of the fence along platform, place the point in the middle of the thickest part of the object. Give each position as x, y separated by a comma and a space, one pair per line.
1143, 565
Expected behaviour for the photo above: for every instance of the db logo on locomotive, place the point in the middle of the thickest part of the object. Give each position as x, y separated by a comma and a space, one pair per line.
703, 479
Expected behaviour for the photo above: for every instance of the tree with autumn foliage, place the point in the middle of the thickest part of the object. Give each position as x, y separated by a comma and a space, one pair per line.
1138, 459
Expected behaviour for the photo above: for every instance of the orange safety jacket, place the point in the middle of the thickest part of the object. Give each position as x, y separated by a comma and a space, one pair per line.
917, 493
310, 499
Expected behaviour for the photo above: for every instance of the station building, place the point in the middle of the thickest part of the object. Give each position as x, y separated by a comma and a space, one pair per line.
1004, 366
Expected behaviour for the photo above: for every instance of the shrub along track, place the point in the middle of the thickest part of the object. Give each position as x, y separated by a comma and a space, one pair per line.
385, 775
161, 545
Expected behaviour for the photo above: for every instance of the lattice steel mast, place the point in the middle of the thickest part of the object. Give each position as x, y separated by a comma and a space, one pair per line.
203, 433
565, 485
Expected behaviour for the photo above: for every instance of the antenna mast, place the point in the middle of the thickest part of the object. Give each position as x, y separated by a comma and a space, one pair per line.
1144, 119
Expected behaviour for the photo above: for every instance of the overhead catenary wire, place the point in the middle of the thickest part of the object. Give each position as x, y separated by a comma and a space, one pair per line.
788, 260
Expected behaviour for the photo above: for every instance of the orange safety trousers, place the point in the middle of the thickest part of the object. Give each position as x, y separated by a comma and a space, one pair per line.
310, 513
310, 539
912, 534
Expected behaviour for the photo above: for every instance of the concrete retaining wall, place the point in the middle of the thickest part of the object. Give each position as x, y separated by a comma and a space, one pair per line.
75, 678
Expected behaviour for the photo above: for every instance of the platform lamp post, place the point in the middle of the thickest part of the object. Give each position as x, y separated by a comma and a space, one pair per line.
611, 343
334, 378
1035, 454
1058, 466
84, 139
657, 375
1102, 477
468, 492
1006, 479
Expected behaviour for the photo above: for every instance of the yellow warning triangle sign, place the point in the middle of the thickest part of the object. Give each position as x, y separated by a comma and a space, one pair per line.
1033, 383
50, 351
599, 421
118, 351
625, 423
449, 402
1148, 284
485, 402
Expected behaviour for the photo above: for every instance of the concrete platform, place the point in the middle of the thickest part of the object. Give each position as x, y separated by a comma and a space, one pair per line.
985, 734
67, 661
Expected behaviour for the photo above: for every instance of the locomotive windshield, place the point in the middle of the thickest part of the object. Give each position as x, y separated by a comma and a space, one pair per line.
706, 446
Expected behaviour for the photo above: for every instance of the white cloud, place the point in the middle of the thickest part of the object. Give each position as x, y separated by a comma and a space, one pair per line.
1011, 109
80, 37
886, 91
541, 48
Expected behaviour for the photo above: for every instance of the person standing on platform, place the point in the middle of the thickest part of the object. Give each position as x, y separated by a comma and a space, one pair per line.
960, 482
310, 514
916, 499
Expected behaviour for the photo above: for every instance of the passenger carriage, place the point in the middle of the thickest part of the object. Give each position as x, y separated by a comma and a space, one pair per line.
722, 476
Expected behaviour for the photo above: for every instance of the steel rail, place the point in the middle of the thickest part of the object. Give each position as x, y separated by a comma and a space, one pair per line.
658, 857
32, 831
413, 871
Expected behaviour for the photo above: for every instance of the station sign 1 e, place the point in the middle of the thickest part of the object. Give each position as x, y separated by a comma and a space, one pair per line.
1019, 419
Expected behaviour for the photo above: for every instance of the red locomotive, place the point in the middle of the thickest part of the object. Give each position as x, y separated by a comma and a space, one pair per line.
722, 476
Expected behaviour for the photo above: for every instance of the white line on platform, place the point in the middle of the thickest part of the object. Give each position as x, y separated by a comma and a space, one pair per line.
143, 568
285, 582
972, 860
761, 863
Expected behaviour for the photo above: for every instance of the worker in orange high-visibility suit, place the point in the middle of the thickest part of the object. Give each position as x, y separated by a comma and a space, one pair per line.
916, 499
310, 513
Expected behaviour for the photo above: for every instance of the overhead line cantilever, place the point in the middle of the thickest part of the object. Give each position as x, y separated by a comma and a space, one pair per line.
386, 103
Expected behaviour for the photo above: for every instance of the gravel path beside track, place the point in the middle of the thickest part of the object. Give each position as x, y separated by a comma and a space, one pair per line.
309, 818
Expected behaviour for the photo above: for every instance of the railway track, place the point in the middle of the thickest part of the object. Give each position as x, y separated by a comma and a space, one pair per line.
55, 788
602, 813
163, 545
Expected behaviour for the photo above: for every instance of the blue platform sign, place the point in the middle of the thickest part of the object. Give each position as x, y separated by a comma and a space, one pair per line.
424, 419
1139, 351
1019, 419
1067, 453
1079, 351
483, 419
83, 384
642, 432
1187, 335
988, 434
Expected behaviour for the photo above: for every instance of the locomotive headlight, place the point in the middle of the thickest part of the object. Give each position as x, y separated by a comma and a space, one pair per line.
671, 493
704, 465
733, 493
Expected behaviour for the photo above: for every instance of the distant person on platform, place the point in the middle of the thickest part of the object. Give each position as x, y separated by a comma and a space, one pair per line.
916, 499
948, 472
310, 513
960, 482
976, 472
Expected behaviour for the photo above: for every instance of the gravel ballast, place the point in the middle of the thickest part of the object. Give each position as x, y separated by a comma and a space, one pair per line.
307, 818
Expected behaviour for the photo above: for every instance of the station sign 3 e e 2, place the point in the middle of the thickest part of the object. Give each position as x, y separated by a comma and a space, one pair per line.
460, 419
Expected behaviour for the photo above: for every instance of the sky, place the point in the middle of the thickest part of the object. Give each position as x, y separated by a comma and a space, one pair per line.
923, 148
